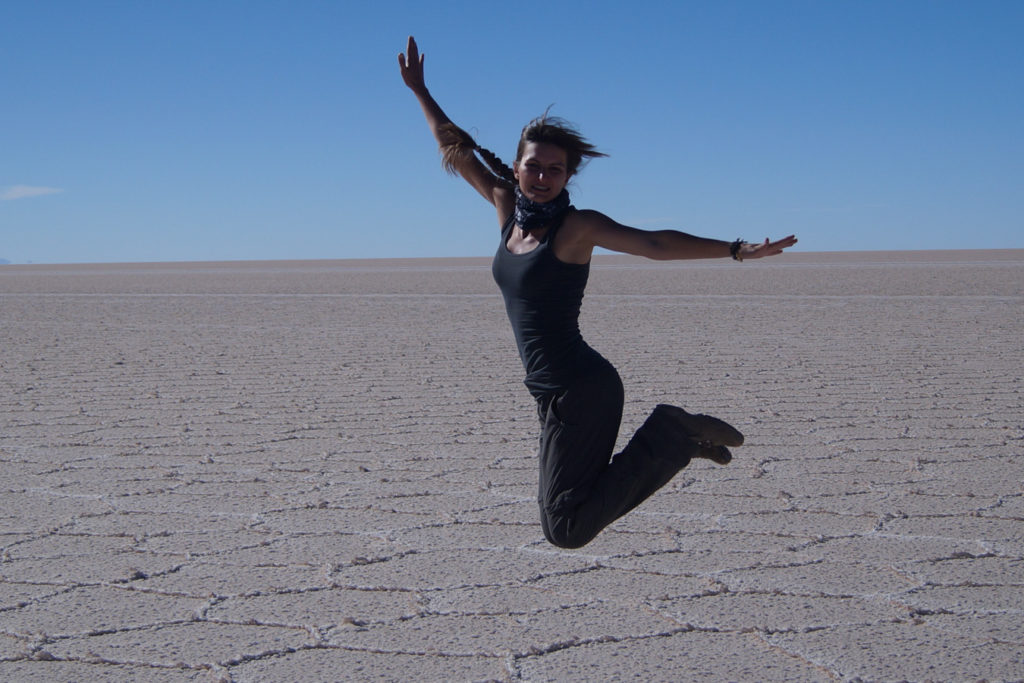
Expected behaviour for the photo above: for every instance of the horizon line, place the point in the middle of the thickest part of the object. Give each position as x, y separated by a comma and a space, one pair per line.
1008, 251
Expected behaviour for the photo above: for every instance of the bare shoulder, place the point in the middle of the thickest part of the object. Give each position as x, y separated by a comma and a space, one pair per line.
587, 217
595, 229
587, 225
578, 235
583, 222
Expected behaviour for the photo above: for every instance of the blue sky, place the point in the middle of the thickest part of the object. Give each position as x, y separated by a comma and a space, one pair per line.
221, 130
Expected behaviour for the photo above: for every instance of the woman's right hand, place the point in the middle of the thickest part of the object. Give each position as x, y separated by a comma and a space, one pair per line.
411, 66
468, 166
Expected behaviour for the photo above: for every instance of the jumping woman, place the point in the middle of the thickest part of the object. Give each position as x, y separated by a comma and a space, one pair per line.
541, 266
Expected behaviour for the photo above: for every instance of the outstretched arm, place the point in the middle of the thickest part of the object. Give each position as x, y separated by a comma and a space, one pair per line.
468, 166
589, 229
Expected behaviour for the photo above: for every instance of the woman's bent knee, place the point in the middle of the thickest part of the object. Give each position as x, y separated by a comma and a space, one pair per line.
564, 534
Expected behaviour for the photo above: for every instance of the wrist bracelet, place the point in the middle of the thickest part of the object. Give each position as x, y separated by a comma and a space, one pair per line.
734, 250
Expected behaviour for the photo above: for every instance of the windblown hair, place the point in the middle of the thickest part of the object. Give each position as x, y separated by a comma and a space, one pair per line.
560, 133
457, 145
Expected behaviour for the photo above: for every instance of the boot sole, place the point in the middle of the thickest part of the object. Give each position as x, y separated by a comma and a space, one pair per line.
716, 454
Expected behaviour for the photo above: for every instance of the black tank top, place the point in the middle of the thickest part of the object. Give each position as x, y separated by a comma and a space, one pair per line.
543, 296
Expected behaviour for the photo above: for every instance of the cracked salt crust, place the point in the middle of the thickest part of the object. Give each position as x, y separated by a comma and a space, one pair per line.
285, 471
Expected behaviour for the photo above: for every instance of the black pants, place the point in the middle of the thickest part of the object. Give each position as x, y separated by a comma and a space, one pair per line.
583, 488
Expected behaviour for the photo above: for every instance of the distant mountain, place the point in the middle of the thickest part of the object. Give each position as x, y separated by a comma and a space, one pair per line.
3, 261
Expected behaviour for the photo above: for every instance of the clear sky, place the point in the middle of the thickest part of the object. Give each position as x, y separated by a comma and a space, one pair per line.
224, 130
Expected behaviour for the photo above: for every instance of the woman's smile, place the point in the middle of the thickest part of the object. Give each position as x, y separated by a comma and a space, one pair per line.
541, 171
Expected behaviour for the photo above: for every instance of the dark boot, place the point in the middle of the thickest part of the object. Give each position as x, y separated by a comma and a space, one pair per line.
705, 430
717, 454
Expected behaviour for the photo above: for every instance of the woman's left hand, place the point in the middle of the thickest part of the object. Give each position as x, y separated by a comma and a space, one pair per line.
766, 248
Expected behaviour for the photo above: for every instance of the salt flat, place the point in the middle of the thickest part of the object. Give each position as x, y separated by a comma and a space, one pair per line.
313, 471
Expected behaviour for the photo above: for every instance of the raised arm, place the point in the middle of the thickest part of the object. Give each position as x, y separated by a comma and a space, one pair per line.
468, 166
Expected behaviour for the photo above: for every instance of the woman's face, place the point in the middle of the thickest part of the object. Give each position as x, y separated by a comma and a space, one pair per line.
542, 171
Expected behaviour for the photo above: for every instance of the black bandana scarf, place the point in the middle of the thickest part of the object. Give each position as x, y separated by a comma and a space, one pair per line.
531, 215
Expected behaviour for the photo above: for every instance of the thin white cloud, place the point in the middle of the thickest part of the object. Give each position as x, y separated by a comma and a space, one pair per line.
22, 191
